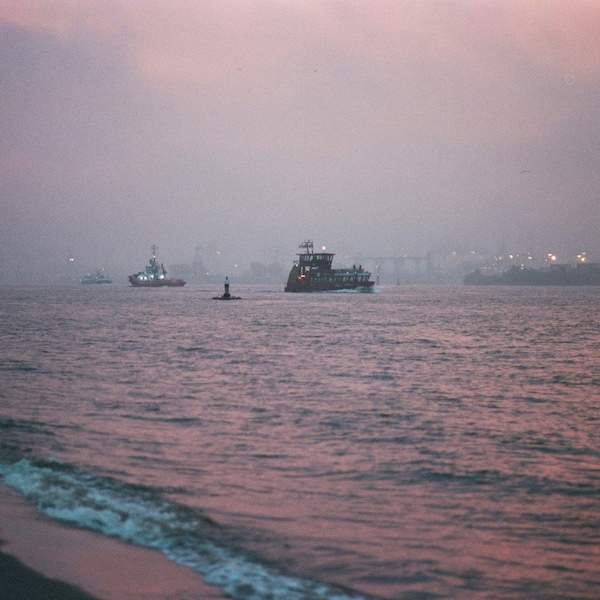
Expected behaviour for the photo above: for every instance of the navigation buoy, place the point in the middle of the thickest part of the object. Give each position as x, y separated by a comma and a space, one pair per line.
226, 295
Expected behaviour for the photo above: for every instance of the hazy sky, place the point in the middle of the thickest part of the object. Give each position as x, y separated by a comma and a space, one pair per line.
246, 126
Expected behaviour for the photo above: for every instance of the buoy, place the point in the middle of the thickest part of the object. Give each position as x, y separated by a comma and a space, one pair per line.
226, 295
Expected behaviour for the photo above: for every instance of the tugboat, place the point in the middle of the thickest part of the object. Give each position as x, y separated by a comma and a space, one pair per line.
154, 275
226, 295
97, 277
313, 273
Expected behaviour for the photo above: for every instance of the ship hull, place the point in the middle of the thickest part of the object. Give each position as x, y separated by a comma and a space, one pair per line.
155, 283
96, 281
328, 282
330, 287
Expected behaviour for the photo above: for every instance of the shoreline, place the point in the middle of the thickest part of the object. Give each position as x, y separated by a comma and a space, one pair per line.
41, 558
18, 581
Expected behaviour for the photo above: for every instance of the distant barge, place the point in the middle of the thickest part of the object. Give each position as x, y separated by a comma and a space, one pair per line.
581, 274
95, 278
312, 272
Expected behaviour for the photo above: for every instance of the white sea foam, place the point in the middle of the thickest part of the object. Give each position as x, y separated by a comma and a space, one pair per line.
140, 516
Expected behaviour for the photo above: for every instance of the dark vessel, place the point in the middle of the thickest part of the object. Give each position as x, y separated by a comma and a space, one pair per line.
94, 278
226, 295
313, 273
154, 275
580, 274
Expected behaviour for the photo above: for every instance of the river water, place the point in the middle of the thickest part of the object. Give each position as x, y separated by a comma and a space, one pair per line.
417, 442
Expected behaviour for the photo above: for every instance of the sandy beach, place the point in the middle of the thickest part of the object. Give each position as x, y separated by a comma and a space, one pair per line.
41, 558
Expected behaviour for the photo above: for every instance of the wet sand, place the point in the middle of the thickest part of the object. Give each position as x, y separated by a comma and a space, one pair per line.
17, 582
43, 559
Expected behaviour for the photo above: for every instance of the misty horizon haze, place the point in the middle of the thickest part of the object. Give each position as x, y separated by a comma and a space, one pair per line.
374, 128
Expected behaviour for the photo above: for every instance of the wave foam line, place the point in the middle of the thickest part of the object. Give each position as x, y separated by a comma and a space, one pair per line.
139, 516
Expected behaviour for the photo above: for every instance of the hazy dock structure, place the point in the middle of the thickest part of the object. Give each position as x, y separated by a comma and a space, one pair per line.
398, 269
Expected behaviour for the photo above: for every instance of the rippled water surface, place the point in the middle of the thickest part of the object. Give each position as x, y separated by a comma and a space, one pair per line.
418, 442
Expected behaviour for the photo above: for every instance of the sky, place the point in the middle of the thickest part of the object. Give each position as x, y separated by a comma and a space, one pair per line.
239, 128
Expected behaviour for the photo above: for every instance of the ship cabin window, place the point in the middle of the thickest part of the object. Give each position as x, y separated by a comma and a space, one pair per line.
320, 261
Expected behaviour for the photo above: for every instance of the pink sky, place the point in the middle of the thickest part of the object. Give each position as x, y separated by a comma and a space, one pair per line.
373, 127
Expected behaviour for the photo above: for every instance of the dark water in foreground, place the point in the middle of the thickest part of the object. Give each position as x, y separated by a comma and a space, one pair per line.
419, 442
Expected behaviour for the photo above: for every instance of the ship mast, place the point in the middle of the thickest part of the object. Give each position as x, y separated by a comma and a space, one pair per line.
308, 245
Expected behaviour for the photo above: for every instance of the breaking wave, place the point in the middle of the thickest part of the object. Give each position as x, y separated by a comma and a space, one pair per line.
140, 516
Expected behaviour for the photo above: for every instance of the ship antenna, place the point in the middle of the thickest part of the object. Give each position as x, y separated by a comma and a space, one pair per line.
308, 245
